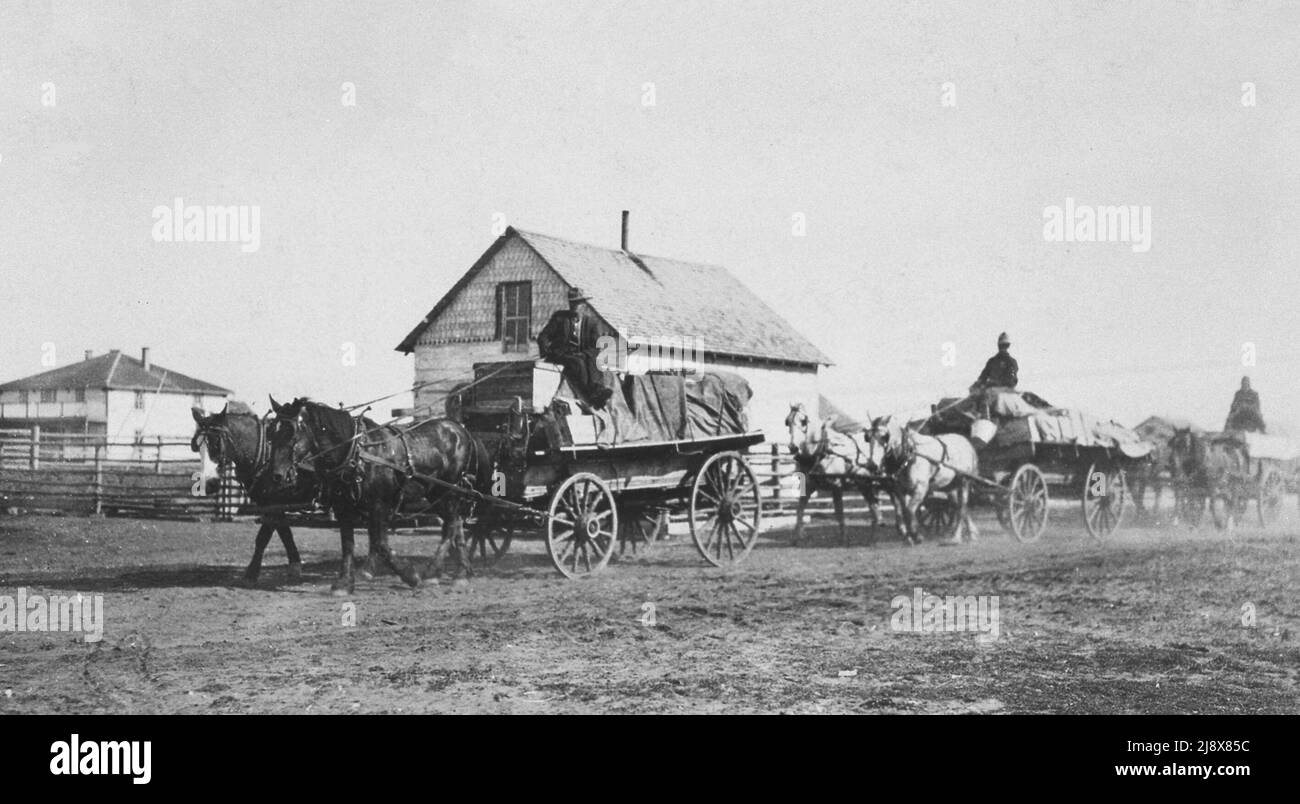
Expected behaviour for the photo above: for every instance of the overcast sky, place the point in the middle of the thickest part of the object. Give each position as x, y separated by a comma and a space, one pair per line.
924, 221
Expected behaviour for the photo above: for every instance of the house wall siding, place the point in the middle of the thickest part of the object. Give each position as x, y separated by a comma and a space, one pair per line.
471, 315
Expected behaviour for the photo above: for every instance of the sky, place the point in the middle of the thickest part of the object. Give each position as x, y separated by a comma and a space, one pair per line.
715, 124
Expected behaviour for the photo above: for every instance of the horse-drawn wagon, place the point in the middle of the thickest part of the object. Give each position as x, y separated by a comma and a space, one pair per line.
1029, 453
595, 479
1229, 471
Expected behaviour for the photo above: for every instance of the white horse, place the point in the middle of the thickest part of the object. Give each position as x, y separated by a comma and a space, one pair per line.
827, 460
919, 464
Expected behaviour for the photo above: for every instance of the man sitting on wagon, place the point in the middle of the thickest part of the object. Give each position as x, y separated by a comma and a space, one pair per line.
1001, 373
1244, 415
570, 340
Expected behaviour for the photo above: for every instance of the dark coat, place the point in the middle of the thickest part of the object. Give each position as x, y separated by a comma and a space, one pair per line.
1245, 412
568, 332
1001, 371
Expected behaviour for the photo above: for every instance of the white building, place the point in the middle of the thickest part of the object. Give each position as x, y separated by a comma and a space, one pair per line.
495, 311
113, 395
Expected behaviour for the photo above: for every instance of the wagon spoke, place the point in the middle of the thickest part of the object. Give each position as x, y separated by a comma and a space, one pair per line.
708, 496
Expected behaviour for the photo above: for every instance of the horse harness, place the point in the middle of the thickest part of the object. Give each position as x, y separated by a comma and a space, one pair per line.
907, 450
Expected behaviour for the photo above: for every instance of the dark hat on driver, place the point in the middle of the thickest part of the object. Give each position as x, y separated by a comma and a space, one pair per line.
576, 295
1003, 340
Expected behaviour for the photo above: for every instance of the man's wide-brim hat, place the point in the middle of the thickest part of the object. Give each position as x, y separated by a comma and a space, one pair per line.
576, 295
1003, 340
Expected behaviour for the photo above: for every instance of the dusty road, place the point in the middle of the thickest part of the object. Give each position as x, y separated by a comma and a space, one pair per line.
1150, 622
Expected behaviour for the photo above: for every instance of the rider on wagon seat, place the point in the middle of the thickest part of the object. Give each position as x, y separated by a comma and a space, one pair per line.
1245, 413
570, 339
1001, 373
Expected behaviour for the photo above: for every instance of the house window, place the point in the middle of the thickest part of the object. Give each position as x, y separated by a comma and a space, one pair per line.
22, 397
514, 319
49, 395
139, 400
79, 394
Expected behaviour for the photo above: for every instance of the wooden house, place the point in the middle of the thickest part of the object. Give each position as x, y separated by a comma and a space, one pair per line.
496, 309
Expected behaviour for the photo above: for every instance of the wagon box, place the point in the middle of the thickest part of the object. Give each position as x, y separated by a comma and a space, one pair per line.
1037, 448
664, 442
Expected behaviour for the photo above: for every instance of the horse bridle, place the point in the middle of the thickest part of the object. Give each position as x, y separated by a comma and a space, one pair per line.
226, 441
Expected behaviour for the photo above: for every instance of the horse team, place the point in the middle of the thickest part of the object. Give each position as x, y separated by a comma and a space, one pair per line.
890, 458
359, 470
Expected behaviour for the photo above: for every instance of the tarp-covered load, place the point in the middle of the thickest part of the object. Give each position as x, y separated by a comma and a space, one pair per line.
663, 407
1023, 417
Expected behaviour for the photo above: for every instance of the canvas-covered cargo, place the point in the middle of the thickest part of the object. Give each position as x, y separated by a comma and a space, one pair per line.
1025, 418
657, 407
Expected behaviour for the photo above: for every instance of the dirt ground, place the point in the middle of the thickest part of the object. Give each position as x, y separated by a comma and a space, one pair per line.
1150, 621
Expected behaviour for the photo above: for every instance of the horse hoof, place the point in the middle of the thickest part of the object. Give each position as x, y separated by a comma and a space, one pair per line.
295, 571
248, 581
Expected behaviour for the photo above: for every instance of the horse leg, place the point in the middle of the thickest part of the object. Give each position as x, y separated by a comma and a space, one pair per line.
345, 584
837, 497
291, 549
896, 500
259, 547
798, 518
869, 496
378, 527
458, 544
916, 495
963, 511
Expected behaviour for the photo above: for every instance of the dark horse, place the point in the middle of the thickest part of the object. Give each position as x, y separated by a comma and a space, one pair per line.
371, 469
1206, 468
236, 436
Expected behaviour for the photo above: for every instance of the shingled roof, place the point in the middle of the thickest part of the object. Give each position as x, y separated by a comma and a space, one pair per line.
641, 295
115, 371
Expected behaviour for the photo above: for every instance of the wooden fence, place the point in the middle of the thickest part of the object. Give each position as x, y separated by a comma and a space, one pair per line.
93, 474
780, 486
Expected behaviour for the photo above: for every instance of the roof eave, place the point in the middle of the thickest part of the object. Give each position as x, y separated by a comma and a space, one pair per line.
408, 343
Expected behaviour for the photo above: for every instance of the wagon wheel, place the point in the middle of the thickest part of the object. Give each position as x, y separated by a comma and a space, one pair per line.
936, 517
725, 509
1272, 488
638, 528
1103, 500
581, 527
1027, 504
487, 541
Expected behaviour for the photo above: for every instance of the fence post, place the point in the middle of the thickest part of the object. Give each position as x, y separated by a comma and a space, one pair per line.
36, 447
776, 475
223, 494
99, 483
157, 460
